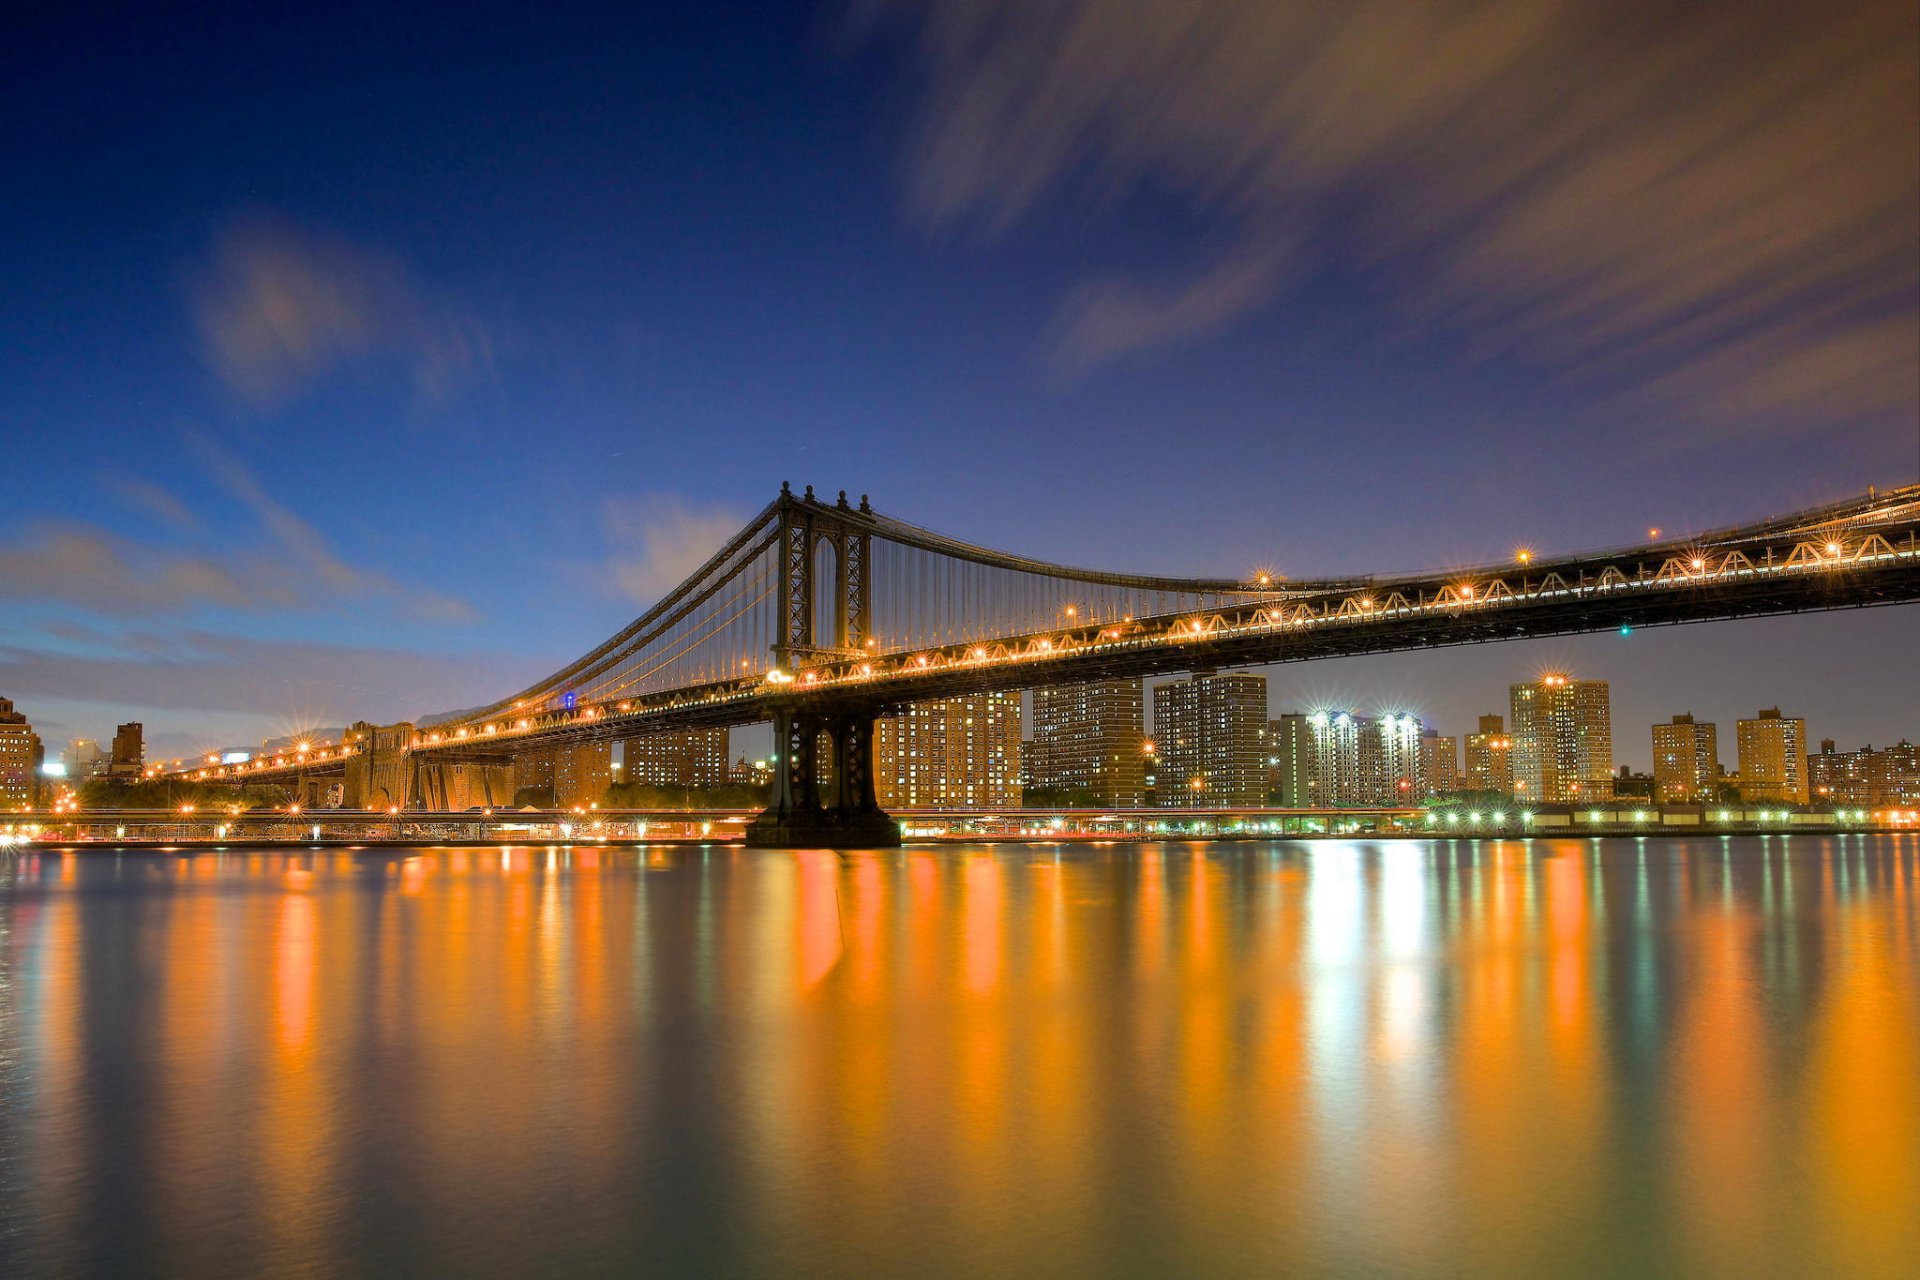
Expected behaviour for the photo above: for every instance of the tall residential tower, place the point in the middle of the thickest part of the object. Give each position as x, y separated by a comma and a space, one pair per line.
1087, 741
1208, 734
1686, 759
1562, 740
961, 753
1773, 758
1489, 757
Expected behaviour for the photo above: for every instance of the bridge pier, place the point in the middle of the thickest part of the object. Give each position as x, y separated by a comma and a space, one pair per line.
849, 815
384, 774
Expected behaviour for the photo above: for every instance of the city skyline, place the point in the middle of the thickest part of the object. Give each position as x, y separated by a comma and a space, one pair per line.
1630, 750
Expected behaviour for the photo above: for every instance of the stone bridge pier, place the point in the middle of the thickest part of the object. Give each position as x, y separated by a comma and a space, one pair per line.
380, 775
386, 774
453, 786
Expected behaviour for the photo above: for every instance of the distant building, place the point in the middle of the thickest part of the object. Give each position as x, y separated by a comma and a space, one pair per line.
1840, 777
582, 774
1562, 739
1087, 738
750, 773
1865, 776
1288, 749
1686, 759
533, 770
1897, 774
1329, 759
1773, 764
1489, 757
1390, 759
677, 758
1628, 785
960, 753
129, 752
1439, 763
20, 757
1333, 758
1209, 731
83, 759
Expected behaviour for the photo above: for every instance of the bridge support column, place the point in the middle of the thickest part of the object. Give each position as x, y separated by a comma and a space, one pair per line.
850, 816
384, 774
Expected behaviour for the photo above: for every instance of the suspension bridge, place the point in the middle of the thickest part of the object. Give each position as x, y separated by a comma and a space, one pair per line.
822, 616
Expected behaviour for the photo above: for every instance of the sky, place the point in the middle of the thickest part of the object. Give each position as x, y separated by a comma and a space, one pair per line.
371, 362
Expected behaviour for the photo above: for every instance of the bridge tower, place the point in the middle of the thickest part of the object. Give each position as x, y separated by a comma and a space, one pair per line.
384, 774
805, 527
846, 813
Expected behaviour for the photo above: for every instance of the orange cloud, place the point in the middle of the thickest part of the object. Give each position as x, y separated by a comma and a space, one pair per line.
278, 308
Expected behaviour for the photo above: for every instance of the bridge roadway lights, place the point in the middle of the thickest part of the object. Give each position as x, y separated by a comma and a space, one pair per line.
848, 815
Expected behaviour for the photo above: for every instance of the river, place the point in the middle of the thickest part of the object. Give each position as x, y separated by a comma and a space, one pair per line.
1666, 1056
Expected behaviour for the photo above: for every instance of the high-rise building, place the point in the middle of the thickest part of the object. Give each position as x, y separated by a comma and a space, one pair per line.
1562, 739
129, 754
961, 753
20, 756
533, 770
1332, 759
677, 758
1289, 756
1686, 759
83, 759
1439, 763
1208, 732
1390, 759
1489, 757
582, 774
1773, 764
1087, 739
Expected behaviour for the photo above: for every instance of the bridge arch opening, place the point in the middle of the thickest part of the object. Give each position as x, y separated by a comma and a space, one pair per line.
829, 610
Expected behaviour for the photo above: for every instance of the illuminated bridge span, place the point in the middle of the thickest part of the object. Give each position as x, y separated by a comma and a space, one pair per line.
821, 616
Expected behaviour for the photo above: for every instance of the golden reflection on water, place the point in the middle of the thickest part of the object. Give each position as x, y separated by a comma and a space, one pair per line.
1562, 1057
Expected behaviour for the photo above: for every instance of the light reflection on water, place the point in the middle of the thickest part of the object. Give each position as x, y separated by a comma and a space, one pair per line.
1445, 1058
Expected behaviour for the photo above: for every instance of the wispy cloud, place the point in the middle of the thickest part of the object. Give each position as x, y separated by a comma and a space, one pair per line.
81, 565
292, 567
1108, 318
1669, 189
153, 500
279, 307
310, 551
300, 683
658, 541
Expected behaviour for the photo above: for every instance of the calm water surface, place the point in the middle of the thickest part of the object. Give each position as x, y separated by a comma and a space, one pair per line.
1457, 1058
